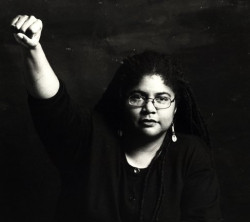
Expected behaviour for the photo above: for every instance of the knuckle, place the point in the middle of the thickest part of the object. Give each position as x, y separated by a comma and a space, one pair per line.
32, 17
32, 29
17, 18
39, 21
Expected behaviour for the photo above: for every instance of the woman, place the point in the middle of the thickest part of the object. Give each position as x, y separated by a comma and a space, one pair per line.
141, 155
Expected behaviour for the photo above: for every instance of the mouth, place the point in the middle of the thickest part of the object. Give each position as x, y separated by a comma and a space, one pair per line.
148, 122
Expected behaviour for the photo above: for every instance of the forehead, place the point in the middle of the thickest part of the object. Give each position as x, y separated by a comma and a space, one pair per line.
153, 84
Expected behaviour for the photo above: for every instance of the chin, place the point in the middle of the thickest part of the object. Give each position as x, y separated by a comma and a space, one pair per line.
148, 132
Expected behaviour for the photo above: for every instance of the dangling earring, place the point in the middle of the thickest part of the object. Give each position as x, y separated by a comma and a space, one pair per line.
120, 132
174, 137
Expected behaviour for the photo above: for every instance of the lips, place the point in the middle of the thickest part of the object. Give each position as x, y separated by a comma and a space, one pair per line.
148, 122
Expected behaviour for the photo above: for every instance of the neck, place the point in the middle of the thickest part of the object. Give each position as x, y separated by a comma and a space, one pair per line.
140, 151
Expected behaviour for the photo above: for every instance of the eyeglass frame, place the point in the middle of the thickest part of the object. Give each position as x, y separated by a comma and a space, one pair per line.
146, 100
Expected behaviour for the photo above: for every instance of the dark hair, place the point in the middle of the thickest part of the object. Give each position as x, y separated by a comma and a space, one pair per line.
187, 118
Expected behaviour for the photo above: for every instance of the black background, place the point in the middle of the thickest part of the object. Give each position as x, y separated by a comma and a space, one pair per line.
85, 40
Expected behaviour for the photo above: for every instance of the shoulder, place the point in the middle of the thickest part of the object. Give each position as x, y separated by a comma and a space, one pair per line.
189, 150
189, 143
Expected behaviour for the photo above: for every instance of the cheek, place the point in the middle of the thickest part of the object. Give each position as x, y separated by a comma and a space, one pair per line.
131, 115
134, 116
166, 119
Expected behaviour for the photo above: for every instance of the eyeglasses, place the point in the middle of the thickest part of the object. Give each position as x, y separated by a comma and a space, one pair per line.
160, 102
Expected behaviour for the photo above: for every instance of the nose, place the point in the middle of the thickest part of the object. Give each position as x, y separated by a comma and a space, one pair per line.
149, 106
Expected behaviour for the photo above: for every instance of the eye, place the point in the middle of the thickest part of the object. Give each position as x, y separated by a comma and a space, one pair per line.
136, 100
162, 99
136, 97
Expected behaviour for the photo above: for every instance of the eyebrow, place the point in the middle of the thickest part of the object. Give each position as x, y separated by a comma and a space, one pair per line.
145, 94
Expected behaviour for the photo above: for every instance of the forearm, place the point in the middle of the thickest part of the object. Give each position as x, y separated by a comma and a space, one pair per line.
40, 79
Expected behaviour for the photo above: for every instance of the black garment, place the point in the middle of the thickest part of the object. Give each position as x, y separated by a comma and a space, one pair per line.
131, 192
87, 152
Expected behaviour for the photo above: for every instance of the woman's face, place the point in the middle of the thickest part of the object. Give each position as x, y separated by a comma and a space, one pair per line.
148, 120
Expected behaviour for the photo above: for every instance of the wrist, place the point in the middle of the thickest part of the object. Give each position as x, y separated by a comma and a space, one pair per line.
29, 51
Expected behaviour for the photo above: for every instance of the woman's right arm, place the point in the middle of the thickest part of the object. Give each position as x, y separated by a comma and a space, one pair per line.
41, 81
61, 127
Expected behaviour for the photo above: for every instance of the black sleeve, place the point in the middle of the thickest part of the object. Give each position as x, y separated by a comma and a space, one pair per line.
63, 128
200, 198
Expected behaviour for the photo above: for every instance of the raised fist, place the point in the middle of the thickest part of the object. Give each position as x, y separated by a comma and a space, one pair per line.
27, 30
